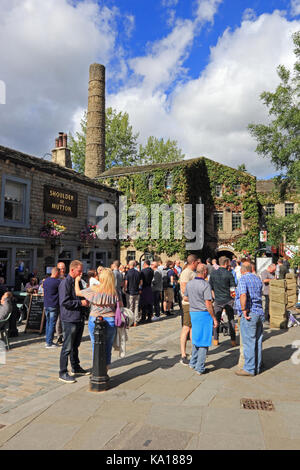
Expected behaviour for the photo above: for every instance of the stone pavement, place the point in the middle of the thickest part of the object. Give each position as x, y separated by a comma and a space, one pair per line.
154, 402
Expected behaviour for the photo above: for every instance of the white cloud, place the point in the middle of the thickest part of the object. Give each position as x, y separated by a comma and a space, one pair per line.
165, 58
249, 15
209, 116
45, 52
207, 9
295, 7
169, 3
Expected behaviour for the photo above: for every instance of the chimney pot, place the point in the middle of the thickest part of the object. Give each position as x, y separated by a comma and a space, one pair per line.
65, 140
60, 139
57, 142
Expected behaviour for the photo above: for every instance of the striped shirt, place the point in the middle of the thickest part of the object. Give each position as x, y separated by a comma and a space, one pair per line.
251, 285
101, 303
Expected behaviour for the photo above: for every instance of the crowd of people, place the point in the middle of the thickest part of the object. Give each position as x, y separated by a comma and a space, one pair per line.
206, 293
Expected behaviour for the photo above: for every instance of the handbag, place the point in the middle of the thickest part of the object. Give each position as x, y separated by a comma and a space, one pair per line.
120, 318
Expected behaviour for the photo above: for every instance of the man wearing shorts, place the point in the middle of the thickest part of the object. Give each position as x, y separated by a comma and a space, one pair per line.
187, 275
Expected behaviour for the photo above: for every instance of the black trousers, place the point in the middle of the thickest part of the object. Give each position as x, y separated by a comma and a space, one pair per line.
72, 339
228, 306
156, 302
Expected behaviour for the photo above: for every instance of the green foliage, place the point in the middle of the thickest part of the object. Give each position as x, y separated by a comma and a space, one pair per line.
295, 262
158, 151
193, 179
282, 229
121, 147
120, 142
242, 167
77, 147
280, 140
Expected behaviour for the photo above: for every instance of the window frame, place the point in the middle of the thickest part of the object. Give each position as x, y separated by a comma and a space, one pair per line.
131, 259
237, 188
219, 193
169, 176
232, 220
216, 225
290, 204
268, 206
25, 222
93, 199
150, 182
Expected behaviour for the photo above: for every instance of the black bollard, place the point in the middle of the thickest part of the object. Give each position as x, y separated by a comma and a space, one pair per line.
99, 378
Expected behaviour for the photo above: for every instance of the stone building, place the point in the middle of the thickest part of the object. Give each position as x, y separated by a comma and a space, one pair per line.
224, 191
34, 191
272, 204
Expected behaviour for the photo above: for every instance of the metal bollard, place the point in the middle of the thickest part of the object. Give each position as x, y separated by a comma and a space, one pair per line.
99, 378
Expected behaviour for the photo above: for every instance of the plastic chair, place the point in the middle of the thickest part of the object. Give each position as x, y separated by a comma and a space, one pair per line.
4, 327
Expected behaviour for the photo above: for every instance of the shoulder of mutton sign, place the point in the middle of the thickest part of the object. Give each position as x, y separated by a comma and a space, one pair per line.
60, 201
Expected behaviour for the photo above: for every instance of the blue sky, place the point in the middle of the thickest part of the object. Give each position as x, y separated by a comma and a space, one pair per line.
189, 70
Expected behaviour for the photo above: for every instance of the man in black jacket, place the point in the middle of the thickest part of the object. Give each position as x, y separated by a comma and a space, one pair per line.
72, 317
223, 287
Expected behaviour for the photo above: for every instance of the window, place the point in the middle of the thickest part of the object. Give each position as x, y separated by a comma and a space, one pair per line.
218, 220
15, 202
150, 182
169, 181
237, 188
130, 256
289, 208
93, 204
270, 209
236, 220
218, 189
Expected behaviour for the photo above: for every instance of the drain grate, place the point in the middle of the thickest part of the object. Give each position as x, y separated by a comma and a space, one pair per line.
252, 404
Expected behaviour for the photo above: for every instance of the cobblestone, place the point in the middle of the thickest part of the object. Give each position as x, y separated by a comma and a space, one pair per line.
38, 376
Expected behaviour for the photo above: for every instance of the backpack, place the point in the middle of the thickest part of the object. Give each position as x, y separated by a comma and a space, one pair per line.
165, 278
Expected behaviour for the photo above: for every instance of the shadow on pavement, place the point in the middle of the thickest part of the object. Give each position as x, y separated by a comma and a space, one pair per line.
275, 355
164, 362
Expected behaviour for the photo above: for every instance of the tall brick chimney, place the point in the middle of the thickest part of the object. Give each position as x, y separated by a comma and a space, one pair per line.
95, 131
61, 154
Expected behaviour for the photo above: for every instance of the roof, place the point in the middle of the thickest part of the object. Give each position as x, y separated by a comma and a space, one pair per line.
45, 166
127, 170
265, 186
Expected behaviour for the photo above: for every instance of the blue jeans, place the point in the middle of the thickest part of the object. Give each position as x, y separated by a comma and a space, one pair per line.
110, 335
51, 314
72, 339
198, 358
252, 334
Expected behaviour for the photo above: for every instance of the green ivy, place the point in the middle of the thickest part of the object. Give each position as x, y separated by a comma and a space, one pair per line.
193, 179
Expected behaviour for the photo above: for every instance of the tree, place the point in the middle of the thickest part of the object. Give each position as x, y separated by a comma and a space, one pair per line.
121, 145
242, 167
280, 140
120, 142
158, 151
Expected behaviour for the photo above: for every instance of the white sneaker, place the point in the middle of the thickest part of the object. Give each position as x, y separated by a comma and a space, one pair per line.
52, 346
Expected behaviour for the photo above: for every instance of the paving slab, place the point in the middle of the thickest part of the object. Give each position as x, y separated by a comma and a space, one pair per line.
176, 417
153, 402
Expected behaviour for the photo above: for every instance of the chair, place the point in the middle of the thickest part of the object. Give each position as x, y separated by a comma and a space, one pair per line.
4, 327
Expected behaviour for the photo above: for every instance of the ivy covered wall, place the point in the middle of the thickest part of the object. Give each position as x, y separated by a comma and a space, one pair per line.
192, 179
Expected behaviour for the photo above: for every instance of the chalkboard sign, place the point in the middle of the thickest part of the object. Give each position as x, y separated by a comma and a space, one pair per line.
36, 316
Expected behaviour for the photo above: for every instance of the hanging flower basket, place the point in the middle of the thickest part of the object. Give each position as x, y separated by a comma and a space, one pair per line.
52, 230
89, 233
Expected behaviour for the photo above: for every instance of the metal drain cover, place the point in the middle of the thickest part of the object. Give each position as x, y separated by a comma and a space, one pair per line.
253, 404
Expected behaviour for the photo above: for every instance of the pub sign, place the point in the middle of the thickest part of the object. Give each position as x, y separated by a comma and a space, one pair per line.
60, 201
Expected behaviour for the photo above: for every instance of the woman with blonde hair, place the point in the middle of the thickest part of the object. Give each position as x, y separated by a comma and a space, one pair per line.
103, 300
